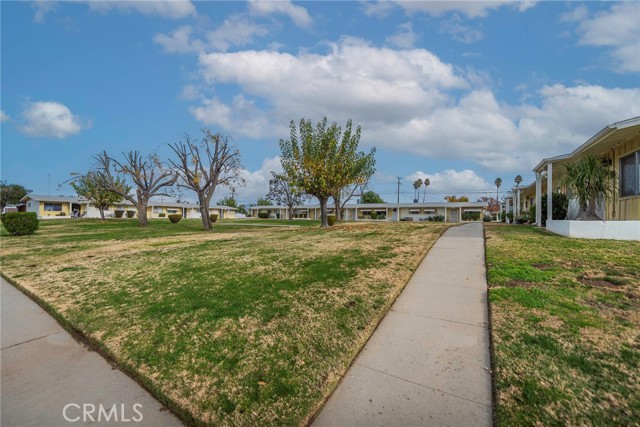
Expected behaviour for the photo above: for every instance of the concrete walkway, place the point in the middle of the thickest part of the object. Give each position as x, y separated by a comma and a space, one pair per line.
428, 362
44, 369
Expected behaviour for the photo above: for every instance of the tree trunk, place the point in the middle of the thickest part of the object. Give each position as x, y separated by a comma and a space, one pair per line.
323, 213
204, 213
290, 211
142, 214
101, 210
338, 211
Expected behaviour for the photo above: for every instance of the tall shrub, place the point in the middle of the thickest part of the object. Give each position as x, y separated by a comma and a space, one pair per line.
20, 223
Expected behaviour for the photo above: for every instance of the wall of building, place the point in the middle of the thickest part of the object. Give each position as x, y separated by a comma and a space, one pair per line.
48, 214
627, 208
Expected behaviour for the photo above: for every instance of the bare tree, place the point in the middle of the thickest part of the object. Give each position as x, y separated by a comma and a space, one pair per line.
283, 190
205, 165
147, 173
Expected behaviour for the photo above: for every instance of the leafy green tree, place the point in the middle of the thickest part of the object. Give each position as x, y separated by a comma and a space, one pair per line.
371, 197
263, 201
285, 191
92, 187
322, 159
11, 194
518, 180
148, 174
426, 183
227, 201
453, 198
590, 181
417, 185
203, 166
352, 168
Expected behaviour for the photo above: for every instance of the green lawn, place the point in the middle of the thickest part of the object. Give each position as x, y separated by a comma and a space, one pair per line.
251, 324
565, 319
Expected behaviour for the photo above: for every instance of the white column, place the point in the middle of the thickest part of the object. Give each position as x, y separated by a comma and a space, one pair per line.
445, 215
539, 199
356, 215
549, 190
519, 207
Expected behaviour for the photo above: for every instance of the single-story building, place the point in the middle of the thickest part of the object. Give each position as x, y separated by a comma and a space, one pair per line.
451, 212
48, 207
617, 145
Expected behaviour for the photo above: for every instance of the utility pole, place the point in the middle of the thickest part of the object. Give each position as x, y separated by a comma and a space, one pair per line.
399, 178
233, 193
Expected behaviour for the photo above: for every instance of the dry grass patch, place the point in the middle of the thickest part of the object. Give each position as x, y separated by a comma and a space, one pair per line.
566, 328
243, 326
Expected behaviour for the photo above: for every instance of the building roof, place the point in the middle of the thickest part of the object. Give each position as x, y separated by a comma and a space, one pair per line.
152, 203
609, 137
389, 205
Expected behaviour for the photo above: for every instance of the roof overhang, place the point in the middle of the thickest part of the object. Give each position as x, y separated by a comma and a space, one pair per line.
607, 138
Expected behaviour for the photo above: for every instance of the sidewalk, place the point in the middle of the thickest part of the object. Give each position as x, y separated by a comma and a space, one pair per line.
428, 362
44, 369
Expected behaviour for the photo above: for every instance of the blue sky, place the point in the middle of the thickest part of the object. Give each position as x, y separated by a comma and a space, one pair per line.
459, 92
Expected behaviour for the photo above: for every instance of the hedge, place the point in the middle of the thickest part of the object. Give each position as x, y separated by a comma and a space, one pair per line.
213, 217
131, 214
20, 223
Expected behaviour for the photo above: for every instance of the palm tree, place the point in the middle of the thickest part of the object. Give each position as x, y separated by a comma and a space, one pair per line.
416, 185
498, 183
590, 181
426, 184
518, 180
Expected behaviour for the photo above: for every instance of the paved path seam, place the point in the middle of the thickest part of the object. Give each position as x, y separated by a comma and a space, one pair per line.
28, 341
422, 385
439, 318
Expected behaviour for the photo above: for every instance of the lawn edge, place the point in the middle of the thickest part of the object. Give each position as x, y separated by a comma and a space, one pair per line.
359, 349
94, 345
494, 388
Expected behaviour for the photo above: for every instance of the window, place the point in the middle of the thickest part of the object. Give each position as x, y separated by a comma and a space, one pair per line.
630, 175
157, 210
172, 211
414, 211
53, 207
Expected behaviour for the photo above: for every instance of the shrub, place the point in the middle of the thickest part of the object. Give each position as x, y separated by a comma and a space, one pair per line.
118, 213
331, 219
438, 218
61, 214
470, 216
560, 207
503, 216
374, 215
213, 217
131, 214
175, 218
510, 216
20, 223
263, 215
486, 218
162, 215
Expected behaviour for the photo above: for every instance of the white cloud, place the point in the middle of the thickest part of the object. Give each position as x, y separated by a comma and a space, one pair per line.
173, 9
450, 181
407, 101
472, 9
242, 116
179, 41
459, 31
257, 182
379, 9
354, 78
4, 117
617, 29
298, 14
50, 119
405, 38
235, 31
42, 7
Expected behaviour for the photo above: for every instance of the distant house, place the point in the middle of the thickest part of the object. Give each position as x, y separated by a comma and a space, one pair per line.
451, 212
617, 145
47, 207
